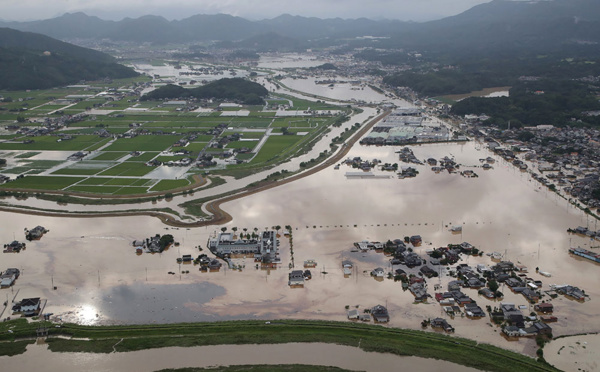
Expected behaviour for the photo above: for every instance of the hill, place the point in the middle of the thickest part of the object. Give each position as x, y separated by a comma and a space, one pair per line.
236, 89
33, 61
509, 25
10, 38
535, 26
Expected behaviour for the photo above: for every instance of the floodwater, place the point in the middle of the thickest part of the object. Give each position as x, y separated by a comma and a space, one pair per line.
100, 280
574, 353
340, 91
98, 275
169, 71
38, 357
290, 60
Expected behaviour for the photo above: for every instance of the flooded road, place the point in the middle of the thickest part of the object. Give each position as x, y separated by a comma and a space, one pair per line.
38, 357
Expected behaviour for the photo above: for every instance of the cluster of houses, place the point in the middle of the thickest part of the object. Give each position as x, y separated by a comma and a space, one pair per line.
454, 298
8, 277
518, 325
446, 163
407, 155
358, 163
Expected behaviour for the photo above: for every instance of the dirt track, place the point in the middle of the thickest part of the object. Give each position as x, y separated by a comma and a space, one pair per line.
214, 207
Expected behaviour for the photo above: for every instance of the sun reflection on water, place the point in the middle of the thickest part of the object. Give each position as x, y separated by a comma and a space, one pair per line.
88, 315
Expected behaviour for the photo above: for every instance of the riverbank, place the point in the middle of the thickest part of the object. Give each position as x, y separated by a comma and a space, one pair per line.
370, 338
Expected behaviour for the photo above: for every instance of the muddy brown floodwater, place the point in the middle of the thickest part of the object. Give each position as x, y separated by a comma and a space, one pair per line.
100, 280
38, 357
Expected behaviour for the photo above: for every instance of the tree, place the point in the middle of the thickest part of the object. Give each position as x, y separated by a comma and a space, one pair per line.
493, 285
277, 228
223, 229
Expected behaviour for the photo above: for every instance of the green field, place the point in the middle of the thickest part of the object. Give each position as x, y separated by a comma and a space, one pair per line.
165, 185
128, 169
95, 189
41, 183
144, 143
253, 135
240, 144
109, 155
196, 146
78, 143
274, 147
131, 190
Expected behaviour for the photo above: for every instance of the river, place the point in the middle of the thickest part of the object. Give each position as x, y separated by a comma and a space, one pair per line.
38, 357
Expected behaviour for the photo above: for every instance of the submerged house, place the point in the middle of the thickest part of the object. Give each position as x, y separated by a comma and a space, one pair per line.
14, 247
441, 323
28, 306
36, 233
296, 278
380, 314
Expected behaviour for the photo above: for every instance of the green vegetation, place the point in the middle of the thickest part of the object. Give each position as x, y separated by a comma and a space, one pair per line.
144, 143
78, 143
103, 339
324, 66
41, 183
164, 185
237, 89
536, 102
109, 156
26, 65
274, 147
261, 368
128, 169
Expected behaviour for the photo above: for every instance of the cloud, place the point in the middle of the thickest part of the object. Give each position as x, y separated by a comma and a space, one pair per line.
418, 10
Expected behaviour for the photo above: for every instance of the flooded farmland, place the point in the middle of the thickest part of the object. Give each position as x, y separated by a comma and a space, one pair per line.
100, 280
99, 277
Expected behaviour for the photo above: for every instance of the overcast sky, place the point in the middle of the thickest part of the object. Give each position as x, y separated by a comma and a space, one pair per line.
416, 10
